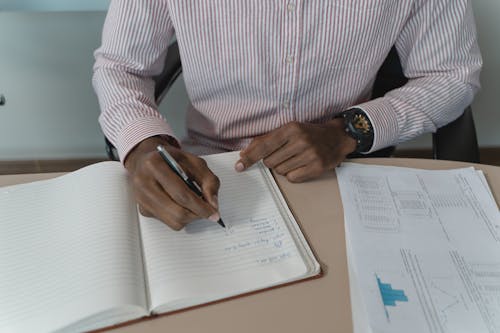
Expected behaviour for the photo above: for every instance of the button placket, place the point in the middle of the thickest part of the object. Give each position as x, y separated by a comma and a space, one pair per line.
289, 60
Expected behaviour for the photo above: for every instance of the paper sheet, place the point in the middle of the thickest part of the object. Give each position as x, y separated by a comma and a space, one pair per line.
424, 248
207, 262
69, 249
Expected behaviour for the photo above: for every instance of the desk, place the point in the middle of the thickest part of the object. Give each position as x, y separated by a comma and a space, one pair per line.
320, 305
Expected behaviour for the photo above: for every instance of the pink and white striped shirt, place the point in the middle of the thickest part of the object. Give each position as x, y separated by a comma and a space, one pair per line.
251, 66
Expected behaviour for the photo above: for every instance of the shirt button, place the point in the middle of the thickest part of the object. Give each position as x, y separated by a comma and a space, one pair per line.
289, 59
290, 7
285, 105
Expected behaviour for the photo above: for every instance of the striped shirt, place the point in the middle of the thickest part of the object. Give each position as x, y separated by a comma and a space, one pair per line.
251, 66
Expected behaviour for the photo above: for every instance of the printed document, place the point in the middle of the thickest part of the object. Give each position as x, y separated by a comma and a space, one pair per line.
423, 249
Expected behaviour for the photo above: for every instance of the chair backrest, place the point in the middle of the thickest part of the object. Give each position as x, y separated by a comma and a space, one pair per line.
171, 71
456, 141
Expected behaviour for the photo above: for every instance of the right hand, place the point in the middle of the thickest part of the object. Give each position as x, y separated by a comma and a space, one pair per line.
162, 194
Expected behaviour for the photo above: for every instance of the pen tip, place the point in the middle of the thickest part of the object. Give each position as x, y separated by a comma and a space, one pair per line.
216, 218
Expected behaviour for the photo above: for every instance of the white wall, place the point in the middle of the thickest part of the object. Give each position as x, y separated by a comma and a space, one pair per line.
51, 111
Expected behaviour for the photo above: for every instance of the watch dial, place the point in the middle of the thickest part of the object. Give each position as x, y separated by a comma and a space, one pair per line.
361, 123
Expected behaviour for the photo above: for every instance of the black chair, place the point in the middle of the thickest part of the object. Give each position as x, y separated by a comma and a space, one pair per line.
456, 141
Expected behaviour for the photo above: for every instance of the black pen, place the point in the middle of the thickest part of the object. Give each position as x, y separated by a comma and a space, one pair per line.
179, 172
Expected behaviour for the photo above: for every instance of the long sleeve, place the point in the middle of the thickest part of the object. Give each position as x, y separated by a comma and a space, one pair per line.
252, 66
135, 39
440, 57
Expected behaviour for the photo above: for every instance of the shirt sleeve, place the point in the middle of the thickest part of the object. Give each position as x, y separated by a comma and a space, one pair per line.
135, 40
441, 58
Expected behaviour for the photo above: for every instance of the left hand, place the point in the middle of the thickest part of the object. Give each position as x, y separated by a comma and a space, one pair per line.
300, 151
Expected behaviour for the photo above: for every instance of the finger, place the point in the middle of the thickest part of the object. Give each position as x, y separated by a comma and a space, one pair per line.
307, 156
310, 170
175, 187
292, 163
286, 152
261, 147
208, 182
153, 199
145, 212
304, 173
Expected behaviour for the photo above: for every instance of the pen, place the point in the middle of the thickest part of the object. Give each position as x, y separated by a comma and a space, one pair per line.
178, 170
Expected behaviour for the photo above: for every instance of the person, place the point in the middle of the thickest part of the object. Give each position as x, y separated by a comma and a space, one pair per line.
286, 82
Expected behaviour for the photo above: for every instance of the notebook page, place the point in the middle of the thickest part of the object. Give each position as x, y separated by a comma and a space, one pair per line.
69, 248
205, 262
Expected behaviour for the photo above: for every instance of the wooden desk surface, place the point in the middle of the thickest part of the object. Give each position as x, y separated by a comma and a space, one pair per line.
321, 305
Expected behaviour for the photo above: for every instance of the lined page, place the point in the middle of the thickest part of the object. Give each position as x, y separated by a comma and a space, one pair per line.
69, 248
205, 262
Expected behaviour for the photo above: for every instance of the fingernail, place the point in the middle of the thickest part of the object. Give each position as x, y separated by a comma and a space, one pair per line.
215, 202
214, 217
239, 167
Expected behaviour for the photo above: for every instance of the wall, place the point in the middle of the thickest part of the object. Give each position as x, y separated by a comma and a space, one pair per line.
54, 5
45, 74
487, 104
45, 66
51, 111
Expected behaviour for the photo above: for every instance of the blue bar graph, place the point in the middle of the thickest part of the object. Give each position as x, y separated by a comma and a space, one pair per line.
389, 295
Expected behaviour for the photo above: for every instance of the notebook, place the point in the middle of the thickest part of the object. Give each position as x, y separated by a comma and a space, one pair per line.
75, 254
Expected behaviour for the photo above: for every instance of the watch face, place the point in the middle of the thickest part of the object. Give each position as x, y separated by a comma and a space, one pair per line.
361, 124
358, 126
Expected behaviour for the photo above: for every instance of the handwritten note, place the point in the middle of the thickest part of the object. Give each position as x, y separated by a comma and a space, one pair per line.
255, 245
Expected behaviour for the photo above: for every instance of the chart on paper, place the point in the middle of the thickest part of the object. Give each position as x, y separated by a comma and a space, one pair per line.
425, 248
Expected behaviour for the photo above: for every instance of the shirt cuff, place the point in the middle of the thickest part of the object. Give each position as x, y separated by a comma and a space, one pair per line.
139, 130
384, 121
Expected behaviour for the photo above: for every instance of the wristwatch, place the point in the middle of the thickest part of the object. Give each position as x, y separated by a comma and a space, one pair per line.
358, 126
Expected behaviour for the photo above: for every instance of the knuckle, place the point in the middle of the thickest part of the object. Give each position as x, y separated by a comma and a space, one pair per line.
313, 153
257, 140
180, 216
216, 181
280, 169
268, 163
175, 226
315, 171
197, 162
292, 177
145, 212
263, 144
181, 198
305, 139
201, 162
301, 142
148, 163
137, 181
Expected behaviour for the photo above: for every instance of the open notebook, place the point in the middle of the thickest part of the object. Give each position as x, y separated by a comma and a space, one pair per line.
75, 255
